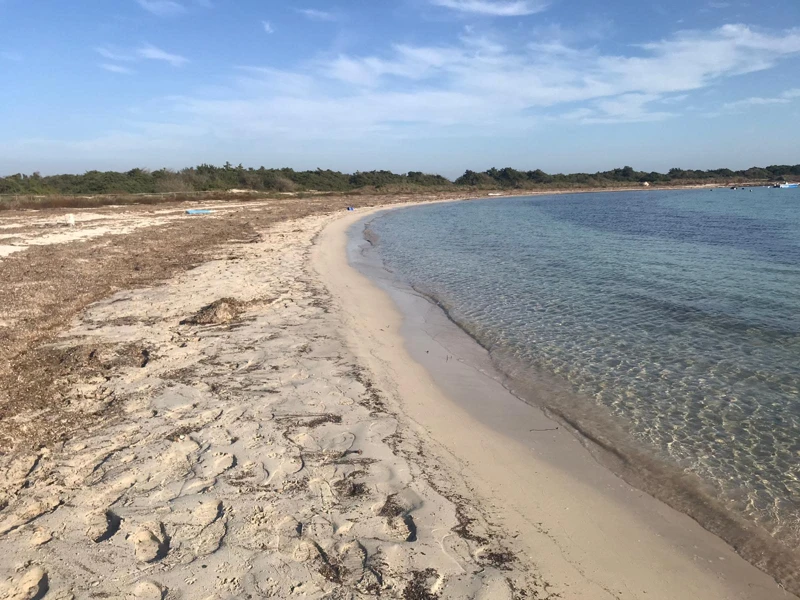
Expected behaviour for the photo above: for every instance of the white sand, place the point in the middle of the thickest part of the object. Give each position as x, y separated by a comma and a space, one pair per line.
298, 451
247, 459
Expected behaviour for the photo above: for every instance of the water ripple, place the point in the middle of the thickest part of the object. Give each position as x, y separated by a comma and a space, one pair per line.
677, 311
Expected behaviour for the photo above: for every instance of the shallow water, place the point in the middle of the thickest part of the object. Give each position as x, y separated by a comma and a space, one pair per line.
677, 311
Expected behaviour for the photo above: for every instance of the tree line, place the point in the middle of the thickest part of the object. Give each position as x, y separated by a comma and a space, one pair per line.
211, 178
512, 178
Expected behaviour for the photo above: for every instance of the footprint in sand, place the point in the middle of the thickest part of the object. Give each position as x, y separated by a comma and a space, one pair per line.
101, 525
319, 529
207, 512
352, 558
148, 590
197, 486
150, 542
322, 488
335, 441
287, 532
17, 473
220, 463
209, 539
40, 537
397, 512
496, 588
458, 550
199, 528
29, 513
402, 528
31, 586
249, 475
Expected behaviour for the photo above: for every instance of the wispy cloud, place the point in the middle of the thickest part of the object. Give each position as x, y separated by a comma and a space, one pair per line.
784, 98
162, 8
267, 27
12, 56
116, 68
674, 99
113, 54
316, 15
497, 8
486, 84
147, 51
626, 108
151, 52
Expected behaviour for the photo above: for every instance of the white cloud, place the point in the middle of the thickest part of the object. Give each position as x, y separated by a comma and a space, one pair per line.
626, 108
151, 52
755, 101
481, 83
784, 98
693, 59
148, 51
267, 27
497, 8
674, 99
316, 15
116, 68
545, 74
12, 56
114, 54
410, 63
162, 8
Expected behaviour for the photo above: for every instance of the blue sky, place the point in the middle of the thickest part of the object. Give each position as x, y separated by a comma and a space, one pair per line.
433, 85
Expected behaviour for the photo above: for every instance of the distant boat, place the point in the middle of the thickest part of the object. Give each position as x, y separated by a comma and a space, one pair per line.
786, 186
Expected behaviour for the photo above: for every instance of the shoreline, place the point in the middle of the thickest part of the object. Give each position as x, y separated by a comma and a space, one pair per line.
601, 433
451, 410
26, 203
215, 424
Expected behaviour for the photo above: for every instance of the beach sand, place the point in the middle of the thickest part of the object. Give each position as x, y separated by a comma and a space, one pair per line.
254, 424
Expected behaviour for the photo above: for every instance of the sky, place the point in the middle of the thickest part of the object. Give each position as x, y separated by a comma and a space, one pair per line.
425, 85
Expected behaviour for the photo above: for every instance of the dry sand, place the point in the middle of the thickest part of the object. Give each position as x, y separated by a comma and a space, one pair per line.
239, 451
255, 428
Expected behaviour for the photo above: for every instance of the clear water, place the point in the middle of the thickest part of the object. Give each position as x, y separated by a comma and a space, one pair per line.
678, 311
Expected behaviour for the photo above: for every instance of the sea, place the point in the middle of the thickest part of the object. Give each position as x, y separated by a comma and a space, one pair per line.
676, 314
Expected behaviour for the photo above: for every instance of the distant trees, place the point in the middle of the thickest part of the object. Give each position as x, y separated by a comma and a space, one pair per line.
212, 178
511, 178
474, 179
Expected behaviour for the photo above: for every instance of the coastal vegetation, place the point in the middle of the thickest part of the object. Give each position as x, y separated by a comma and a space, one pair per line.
209, 178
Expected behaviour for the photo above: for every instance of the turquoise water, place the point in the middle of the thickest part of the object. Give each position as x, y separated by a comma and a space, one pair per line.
677, 311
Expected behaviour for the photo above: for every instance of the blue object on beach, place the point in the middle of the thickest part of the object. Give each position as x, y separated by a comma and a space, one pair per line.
350, 208
198, 211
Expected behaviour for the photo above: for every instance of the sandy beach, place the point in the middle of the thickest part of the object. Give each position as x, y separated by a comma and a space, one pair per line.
237, 412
